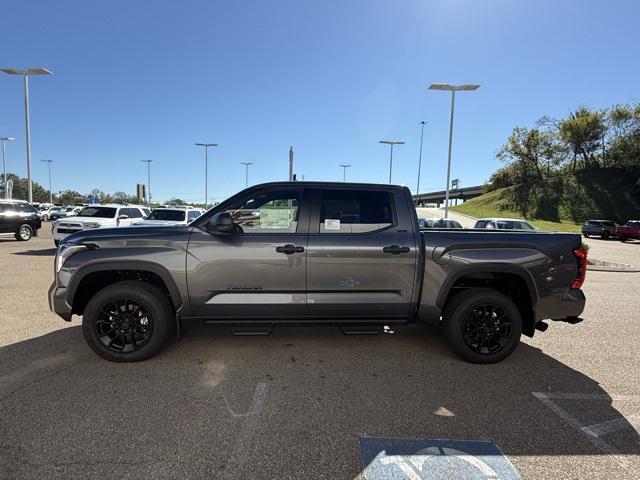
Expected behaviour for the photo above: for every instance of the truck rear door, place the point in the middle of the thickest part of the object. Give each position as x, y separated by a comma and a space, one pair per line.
361, 254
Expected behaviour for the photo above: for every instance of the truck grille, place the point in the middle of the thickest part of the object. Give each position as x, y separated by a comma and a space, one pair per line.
68, 230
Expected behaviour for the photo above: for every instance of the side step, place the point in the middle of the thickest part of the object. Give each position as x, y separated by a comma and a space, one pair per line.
242, 329
361, 328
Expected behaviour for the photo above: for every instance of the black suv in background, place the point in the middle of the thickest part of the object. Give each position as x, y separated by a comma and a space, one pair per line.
19, 218
603, 228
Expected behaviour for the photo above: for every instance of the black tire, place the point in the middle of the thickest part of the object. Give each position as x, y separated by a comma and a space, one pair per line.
622, 238
56, 242
482, 306
605, 235
151, 323
24, 233
586, 235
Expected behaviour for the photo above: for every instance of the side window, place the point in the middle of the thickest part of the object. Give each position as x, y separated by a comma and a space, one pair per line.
268, 212
25, 208
353, 211
124, 211
192, 215
4, 207
135, 213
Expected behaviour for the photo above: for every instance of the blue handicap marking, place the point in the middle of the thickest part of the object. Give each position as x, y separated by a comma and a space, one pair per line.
425, 459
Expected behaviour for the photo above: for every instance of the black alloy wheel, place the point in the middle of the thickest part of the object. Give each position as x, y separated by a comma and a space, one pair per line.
487, 329
123, 325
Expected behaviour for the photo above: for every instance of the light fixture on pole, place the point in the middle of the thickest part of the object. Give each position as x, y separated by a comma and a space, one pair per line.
50, 191
422, 123
392, 143
453, 89
148, 162
4, 164
344, 171
206, 169
26, 73
246, 173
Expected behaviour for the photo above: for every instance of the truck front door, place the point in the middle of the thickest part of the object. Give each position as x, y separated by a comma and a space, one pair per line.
260, 269
362, 254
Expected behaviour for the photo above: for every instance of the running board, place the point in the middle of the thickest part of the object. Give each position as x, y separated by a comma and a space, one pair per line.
360, 328
241, 329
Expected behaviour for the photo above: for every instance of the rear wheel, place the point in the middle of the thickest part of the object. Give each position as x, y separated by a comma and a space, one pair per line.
128, 321
24, 233
482, 325
605, 235
586, 235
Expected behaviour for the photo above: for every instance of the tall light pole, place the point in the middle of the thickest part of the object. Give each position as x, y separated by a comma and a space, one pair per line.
148, 162
206, 169
26, 73
420, 157
344, 171
50, 191
246, 173
4, 163
392, 143
453, 89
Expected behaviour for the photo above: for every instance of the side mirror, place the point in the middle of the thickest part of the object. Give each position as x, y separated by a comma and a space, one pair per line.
220, 223
123, 217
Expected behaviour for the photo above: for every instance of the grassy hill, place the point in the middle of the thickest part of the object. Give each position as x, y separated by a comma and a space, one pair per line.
564, 203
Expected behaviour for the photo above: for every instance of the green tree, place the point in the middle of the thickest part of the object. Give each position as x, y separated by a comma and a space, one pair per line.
70, 197
584, 133
175, 201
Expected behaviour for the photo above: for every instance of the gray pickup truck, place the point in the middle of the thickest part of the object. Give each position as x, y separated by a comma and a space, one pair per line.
339, 253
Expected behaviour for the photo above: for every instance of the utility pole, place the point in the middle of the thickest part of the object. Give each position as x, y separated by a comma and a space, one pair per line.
206, 169
391, 143
344, 171
420, 158
4, 164
291, 164
148, 162
246, 173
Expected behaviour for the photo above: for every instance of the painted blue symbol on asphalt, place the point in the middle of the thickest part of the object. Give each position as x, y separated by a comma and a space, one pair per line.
423, 459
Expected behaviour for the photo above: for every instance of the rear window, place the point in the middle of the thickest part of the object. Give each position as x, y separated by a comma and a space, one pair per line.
353, 211
167, 215
484, 224
98, 212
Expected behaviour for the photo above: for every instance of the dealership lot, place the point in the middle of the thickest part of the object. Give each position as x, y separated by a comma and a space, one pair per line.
298, 403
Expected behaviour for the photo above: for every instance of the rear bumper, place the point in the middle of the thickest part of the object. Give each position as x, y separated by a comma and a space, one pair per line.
570, 304
58, 302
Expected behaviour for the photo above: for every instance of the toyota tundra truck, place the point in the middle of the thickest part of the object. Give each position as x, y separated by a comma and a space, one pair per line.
322, 253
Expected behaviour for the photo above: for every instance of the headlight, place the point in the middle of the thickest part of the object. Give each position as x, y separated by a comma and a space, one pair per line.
91, 225
65, 251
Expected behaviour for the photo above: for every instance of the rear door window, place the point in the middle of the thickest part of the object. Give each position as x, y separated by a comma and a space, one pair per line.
355, 211
135, 213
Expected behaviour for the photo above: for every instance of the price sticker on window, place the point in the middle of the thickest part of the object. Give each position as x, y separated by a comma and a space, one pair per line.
332, 224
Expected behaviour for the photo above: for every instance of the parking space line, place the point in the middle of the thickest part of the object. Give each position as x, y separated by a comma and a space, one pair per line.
235, 465
592, 432
622, 423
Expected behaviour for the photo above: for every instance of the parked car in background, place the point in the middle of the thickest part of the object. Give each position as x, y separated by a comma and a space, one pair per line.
97, 216
170, 216
631, 229
438, 223
64, 212
503, 224
45, 214
603, 228
19, 218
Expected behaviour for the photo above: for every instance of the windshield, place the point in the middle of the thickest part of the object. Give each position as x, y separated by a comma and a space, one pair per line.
100, 212
169, 215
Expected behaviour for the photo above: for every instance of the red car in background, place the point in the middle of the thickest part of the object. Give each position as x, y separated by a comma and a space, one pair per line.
631, 229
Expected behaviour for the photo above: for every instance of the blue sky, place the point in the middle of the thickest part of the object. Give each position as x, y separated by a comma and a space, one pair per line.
145, 80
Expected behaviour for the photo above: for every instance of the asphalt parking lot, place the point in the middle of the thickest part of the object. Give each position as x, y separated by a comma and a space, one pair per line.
294, 405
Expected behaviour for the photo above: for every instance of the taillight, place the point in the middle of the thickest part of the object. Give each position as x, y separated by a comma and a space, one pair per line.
581, 257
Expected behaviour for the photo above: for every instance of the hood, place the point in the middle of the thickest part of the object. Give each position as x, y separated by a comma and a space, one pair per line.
101, 221
158, 223
126, 234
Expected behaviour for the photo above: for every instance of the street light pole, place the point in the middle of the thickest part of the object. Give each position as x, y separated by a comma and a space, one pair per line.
420, 158
453, 89
50, 191
392, 143
344, 171
25, 74
246, 173
148, 162
206, 169
4, 164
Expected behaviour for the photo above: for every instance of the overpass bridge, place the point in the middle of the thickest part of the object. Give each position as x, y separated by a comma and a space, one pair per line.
457, 193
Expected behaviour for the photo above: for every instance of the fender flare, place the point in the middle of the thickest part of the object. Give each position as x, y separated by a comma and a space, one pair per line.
110, 265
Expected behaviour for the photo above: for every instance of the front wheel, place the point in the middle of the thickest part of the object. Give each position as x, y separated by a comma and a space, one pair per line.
128, 321
482, 325
24, 233
622, 238
605, 235
586, 235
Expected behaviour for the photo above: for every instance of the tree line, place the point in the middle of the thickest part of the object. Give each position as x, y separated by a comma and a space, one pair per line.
586, 139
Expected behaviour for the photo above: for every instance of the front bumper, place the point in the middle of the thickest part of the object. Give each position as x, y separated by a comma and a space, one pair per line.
58, 302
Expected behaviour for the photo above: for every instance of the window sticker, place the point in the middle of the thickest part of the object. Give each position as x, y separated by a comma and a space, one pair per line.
331, 224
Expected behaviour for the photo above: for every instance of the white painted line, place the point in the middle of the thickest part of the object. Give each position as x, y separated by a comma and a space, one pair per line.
236, 463
547, 400
621, 423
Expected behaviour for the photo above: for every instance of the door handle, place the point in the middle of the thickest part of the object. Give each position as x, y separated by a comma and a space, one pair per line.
396, 249
289, 249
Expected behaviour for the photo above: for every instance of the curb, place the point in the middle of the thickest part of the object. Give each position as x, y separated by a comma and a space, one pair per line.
606, 266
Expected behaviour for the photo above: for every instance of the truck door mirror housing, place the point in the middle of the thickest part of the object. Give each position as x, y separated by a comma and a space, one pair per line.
123, 217
220, 223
